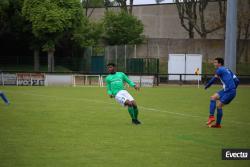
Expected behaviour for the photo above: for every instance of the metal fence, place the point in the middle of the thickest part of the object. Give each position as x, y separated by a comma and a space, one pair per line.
164, 79
151, 57
74, 79
129, 59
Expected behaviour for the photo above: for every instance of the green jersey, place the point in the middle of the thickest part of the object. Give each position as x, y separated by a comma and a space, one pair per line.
115, 82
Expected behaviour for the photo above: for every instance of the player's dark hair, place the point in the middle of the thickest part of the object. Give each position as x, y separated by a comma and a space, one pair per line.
220, 60
111, 64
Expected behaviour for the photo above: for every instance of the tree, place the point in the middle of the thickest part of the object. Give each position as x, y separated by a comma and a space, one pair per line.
108, 3
91, 4
11, 20
192, 16
124, 7
4, 4
35, 45
15, 30
89, 34
50, 19
122, 28
186, 18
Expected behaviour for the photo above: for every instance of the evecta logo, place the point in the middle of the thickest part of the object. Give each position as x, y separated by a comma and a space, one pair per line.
235, 154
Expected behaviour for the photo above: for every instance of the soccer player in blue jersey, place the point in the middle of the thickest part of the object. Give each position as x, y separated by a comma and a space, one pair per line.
2, 95
224, 96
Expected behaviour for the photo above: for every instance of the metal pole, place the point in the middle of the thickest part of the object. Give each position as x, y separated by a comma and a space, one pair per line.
198, 80
1, 78
107, 54
231, 35
158, 51
135, 51
125, 58
116, 55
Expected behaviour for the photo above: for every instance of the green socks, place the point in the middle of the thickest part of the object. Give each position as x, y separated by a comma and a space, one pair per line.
133, 112
136, 112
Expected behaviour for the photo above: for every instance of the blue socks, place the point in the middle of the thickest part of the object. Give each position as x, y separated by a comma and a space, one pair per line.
219, 111
212, 107
4, 98
219, 115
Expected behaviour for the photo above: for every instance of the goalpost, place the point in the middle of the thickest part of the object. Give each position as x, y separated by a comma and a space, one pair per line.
88, 80
103, 77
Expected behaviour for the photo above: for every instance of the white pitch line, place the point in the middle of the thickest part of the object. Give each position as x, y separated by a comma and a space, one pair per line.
175, 113
103, 102
98, 101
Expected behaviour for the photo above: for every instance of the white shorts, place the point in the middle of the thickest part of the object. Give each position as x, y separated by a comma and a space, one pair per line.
122, 96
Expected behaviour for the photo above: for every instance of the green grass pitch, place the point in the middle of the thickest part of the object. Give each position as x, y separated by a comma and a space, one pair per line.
82, 127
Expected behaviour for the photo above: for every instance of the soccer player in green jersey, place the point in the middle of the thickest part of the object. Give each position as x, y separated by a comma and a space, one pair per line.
115, 87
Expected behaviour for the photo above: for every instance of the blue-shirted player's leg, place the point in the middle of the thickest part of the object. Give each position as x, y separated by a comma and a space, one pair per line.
219, 113
219, 116
225, 98
220, 95
212, 108
2, 95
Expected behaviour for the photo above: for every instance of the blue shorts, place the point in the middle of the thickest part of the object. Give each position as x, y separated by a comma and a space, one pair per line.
227, 96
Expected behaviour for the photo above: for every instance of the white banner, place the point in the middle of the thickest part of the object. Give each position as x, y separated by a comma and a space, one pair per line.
176, 65
57, 79
8, 79
185, 64
143, 81
30, 79
193, 62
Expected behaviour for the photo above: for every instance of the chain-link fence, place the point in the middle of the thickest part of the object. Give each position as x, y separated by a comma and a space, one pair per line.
149, 58
129, 58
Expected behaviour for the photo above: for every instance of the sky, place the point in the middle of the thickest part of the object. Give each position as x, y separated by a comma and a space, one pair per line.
138, 2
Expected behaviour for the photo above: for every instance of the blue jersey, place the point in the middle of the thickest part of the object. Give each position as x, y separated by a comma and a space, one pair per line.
228, 78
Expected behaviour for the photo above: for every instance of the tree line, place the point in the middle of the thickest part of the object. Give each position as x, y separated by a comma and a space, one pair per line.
43, 25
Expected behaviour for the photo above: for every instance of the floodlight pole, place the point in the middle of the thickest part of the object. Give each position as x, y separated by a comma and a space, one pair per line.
231, 35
